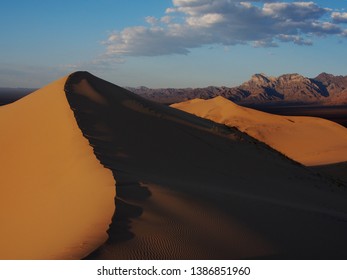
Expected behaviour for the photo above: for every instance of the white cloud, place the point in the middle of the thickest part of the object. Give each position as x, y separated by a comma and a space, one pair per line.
296, 11
149, 41
194, 23
205, 20
324, 28
294, 38
166, 19
339, 17
151, 20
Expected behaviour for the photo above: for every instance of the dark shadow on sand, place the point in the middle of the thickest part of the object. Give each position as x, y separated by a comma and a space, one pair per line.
336, 171
130, 136
95, 121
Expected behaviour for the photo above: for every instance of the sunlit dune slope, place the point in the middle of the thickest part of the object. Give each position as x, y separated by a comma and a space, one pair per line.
188, 188
308, 140
56, 199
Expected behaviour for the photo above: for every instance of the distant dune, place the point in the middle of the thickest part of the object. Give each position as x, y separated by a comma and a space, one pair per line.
310, 141
187, 187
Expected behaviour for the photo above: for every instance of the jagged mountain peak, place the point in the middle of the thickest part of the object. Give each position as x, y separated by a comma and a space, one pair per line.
260, 79
293, 77
292, 88
327, 76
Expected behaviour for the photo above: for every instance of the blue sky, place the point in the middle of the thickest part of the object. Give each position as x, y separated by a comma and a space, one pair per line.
178, 43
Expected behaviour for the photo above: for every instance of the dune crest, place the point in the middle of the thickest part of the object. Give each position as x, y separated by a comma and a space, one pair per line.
56, 199
308, 140
187, 187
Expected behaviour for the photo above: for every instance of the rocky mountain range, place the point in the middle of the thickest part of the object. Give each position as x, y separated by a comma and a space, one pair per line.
288, 89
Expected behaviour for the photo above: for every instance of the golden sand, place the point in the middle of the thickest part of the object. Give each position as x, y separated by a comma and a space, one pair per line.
308, 140
56, 199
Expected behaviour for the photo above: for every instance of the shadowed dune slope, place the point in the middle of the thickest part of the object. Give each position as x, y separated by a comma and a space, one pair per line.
308, 140
188, 188
336, 170
56, 199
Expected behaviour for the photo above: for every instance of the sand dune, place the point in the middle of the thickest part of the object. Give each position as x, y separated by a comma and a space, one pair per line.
187, 188
56, 199
310, 141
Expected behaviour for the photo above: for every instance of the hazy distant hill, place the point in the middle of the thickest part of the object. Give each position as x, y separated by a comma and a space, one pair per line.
9, 95
325, 89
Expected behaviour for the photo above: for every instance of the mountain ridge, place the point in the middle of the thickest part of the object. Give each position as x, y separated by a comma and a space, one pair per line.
287, 89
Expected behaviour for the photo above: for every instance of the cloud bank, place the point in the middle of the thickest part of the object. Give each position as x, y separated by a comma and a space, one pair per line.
191, 24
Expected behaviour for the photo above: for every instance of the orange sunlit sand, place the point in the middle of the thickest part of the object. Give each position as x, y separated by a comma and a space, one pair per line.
56, 199
187, 188
310, 141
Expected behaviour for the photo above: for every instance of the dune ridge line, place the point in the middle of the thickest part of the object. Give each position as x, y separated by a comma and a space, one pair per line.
56, 199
